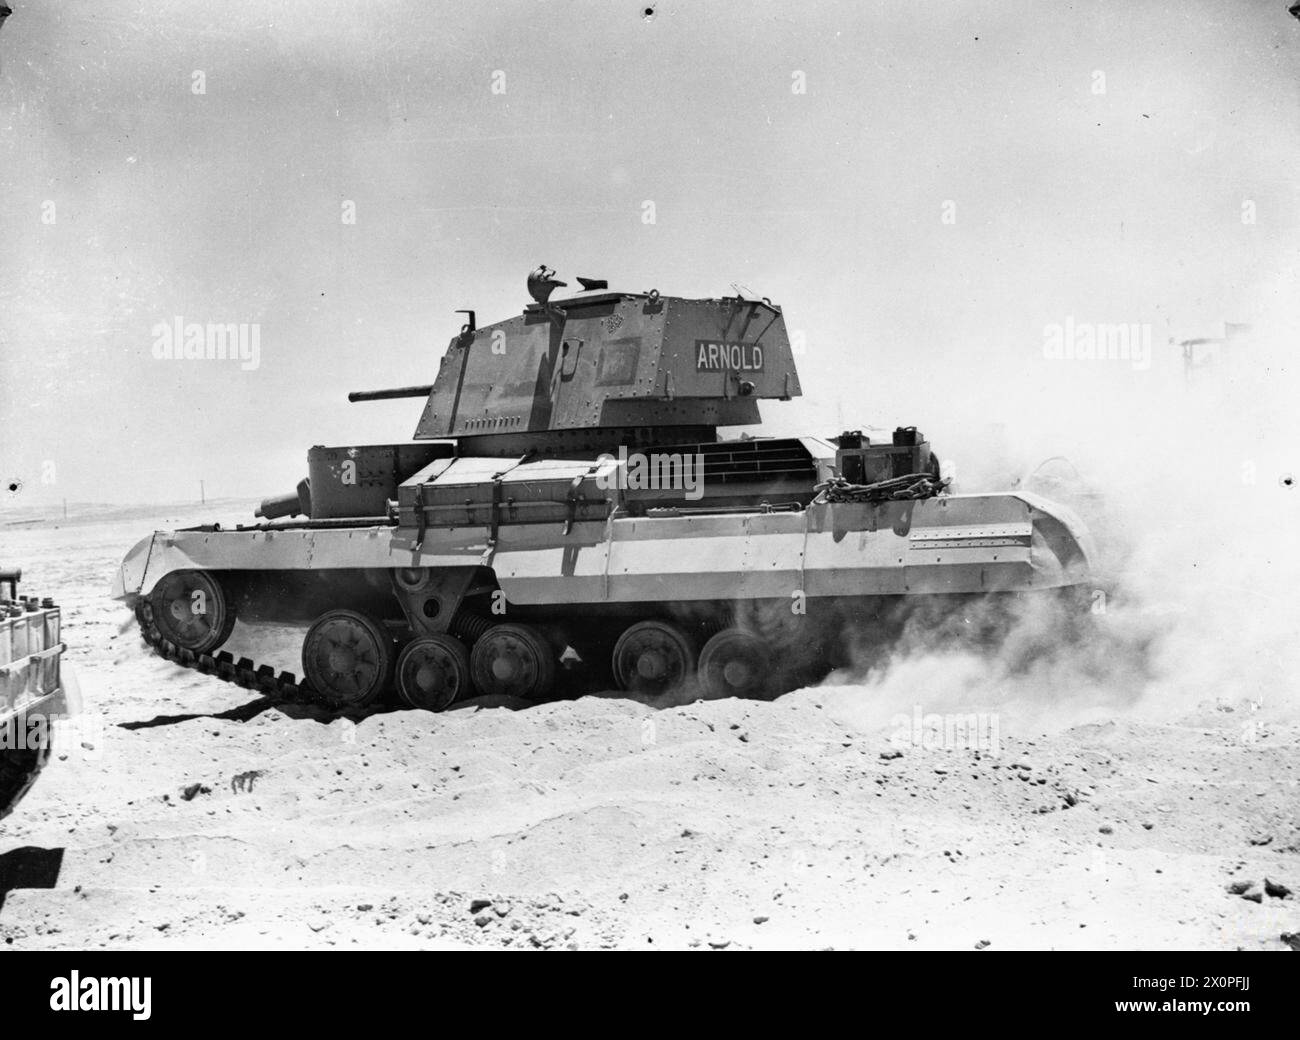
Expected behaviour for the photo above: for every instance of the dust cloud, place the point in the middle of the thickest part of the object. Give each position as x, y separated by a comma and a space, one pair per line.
1187, 481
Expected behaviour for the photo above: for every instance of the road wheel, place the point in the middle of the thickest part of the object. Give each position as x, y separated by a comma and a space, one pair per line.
514, 660
653, 657
192, 610
735, 664
433, 672
348, 658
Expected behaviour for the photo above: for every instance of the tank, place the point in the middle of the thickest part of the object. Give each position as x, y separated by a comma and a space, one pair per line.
36, 687
567, 515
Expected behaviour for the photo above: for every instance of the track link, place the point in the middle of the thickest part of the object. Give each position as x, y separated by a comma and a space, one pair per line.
223, 665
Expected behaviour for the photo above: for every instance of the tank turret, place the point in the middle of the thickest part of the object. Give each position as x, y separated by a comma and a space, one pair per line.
601, 369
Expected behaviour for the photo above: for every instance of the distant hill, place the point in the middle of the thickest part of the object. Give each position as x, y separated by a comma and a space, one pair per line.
13, 515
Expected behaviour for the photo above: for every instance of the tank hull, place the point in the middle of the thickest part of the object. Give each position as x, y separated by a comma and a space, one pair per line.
960, 544
790, 594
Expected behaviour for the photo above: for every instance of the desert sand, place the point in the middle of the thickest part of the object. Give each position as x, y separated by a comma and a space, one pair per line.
189, 813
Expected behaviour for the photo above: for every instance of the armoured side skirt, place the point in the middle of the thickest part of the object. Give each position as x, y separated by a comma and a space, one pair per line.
953, 545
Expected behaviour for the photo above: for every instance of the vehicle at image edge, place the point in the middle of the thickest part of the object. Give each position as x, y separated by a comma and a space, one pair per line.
37, 688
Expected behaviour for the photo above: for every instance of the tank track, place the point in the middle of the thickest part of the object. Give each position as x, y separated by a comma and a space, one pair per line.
222, 665
263, 679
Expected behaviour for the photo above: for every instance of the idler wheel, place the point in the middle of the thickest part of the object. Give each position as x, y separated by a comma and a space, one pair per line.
348, 658
653, 657
513, 660
192, 610
433, 672
735, 664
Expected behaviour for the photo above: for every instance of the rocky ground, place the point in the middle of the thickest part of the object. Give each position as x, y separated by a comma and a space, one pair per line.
189, 813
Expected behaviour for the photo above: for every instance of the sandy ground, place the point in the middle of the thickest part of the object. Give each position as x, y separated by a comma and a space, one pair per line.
201, 815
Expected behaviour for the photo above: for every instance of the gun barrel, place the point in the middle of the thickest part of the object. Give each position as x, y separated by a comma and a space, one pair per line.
386, 395
281, 505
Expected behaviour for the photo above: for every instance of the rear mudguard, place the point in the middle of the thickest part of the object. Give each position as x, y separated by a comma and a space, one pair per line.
955, 544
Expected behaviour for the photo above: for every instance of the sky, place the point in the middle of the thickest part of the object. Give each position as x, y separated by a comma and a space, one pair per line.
927, 188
